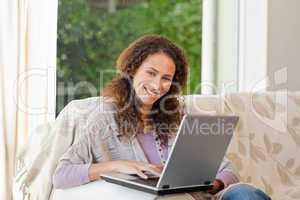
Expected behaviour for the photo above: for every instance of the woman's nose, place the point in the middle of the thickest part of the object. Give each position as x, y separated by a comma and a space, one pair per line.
156, 84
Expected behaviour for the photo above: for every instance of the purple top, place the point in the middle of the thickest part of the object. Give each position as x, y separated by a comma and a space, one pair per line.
148, 145
75, 175
71, 176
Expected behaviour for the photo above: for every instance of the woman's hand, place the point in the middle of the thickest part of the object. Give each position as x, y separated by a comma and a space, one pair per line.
218, 185
135, 167
124, 166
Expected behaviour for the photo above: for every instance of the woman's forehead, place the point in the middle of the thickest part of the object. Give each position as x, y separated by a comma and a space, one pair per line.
159, 62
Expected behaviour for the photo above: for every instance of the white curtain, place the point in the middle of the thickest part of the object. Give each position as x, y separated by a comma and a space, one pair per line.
27, 76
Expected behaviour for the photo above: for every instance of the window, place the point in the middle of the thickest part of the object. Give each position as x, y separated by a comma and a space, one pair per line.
92, 33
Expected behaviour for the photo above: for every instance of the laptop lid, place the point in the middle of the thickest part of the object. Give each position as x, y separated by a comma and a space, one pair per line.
198, 150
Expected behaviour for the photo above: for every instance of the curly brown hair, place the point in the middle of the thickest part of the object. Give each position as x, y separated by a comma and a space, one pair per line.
166, 112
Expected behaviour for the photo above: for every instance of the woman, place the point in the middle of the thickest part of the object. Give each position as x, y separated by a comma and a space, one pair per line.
132, 130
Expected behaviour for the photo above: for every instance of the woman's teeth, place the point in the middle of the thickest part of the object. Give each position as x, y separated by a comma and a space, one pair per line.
149, 92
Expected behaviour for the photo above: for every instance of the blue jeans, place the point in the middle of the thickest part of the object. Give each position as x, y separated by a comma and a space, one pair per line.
244, 192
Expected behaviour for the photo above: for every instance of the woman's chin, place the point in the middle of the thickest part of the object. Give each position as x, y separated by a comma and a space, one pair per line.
147, 100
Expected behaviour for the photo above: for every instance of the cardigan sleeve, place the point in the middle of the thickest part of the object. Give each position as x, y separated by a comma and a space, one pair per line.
72, 168
73, 165
71, 175
79, 153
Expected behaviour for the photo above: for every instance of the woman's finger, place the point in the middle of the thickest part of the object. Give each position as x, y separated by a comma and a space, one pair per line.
149, 169
151, 165
141, 174
147, 165
159, 167
156, 169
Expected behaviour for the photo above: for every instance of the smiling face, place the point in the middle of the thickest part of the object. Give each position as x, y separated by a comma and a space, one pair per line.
153, 78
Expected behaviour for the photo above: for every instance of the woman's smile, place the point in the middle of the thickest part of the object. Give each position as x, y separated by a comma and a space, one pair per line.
151, 93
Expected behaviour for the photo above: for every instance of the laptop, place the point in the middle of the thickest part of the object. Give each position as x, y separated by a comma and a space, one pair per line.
195, 157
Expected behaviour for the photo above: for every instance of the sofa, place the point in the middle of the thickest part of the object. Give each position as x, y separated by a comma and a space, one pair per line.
265, 147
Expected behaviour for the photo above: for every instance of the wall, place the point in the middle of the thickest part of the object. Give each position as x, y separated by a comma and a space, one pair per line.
283, 58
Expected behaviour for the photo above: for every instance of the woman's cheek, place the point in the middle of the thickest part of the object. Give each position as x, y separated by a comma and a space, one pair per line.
166, 88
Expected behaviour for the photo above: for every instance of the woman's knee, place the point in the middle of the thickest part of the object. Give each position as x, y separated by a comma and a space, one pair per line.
244, 192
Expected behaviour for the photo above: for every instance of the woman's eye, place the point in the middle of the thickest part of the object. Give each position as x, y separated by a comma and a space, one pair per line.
151, 73
167, 79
